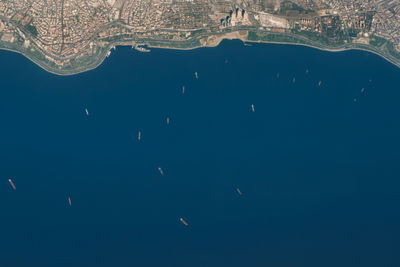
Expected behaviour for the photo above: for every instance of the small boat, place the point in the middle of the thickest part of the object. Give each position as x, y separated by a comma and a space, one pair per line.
196, 75
69, 201
319, 83
87, 112
161, 171
362, 90
183, 89
12, 184
253, 108
239, 192
139, 135
167, 120
294, 80
183, 221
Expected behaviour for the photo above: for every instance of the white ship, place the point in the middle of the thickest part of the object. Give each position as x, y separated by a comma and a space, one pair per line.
142, 49
183, 221
12, 184
239, 192
161, 171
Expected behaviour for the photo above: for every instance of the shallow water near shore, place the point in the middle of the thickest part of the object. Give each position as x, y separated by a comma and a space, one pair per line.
318, 166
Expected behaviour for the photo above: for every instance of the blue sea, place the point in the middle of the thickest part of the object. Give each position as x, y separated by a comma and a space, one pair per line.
318, 166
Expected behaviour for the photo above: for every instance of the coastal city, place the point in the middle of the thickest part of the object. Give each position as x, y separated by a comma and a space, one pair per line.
200, 133
67, 37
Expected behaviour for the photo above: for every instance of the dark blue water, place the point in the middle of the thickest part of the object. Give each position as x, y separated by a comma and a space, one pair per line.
318, 166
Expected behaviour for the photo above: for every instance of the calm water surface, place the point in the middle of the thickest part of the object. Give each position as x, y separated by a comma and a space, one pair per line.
318, 165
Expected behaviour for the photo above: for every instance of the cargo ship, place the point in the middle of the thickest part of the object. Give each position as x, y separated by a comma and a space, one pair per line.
142, 49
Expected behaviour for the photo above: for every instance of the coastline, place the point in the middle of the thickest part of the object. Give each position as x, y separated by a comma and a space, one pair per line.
99, 59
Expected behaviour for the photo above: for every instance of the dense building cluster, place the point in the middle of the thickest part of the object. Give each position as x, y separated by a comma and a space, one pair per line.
65, 30
378, 17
